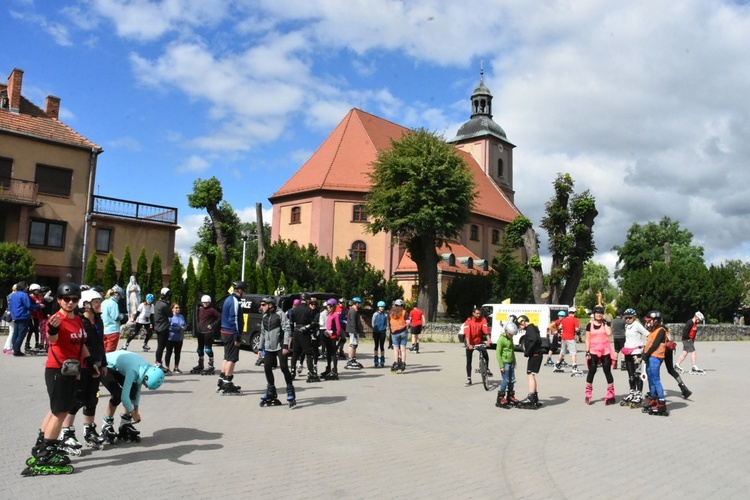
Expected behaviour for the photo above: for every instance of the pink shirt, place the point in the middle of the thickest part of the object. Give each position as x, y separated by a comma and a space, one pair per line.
598, 339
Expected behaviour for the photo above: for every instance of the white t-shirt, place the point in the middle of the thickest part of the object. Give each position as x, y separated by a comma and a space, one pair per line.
144, 313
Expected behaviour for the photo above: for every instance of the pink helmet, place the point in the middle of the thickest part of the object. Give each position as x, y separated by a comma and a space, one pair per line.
296, 303
331, 302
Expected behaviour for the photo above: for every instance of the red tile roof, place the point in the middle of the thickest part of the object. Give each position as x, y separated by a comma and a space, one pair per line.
342, 162
407, 265
32, 121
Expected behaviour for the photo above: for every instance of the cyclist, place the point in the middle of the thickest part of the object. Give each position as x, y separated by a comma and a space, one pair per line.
476, 332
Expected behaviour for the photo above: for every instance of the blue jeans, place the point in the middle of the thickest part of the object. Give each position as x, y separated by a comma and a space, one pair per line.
509, 377
19, 333
654, 382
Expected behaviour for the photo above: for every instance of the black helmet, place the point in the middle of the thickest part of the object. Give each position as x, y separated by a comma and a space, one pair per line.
69, 289
268, 300
523, 319
655, 315
598, 309
239, 285
304, 297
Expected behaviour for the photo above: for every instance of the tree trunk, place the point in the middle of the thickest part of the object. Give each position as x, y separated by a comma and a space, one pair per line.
426, 258
531, 244
576, 265
221, 239
261, 239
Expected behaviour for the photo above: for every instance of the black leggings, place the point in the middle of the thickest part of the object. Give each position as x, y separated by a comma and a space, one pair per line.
331, 355
114, 383
302, 344
669, 365
33, 329
468, 360
137, 330
634, 379
175, 345
379, 340
205, 341
269, 362
592, 363
161, 343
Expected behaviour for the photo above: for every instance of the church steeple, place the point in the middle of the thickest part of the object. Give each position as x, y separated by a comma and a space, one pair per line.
481, 99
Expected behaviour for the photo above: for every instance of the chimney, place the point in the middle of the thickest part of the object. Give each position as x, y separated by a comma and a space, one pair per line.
14, 90
53, 106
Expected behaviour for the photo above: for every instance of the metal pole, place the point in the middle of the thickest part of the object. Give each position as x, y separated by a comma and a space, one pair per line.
244, 249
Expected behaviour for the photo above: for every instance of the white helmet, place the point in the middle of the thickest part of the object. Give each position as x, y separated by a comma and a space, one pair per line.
698, 315
34, 287
398, 302
206, 298
510, 327
89, 295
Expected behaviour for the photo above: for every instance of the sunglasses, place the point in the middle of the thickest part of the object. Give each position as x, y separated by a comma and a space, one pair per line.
69, 299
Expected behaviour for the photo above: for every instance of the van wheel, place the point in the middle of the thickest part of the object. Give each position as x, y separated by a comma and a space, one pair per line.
255, 342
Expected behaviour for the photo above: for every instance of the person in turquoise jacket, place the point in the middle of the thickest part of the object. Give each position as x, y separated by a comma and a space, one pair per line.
126, 373
506, 358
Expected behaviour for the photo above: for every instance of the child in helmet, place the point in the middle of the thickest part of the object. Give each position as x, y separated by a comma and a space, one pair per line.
379, 332
142, 321
209, 321
506, 358
126, 373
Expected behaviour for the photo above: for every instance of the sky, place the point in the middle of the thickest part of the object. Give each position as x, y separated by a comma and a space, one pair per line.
643, 102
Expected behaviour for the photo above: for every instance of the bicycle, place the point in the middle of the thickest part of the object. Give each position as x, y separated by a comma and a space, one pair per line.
483, 368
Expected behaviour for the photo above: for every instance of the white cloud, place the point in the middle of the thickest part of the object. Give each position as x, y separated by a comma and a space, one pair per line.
126, 142
187, 235
194, 164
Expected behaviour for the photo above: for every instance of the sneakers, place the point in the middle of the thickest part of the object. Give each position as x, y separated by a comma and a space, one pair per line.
177, 370
489, 373
468, 382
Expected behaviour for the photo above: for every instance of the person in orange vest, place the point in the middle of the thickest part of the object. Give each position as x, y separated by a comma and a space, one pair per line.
653, 356
417, 319
399, 323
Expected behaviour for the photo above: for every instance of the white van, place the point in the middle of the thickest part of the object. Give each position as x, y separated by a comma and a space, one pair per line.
541, 315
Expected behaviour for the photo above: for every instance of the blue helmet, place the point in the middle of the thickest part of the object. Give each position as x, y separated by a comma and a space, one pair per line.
381, 304
357, 300
154, 377
150, 298
561, 314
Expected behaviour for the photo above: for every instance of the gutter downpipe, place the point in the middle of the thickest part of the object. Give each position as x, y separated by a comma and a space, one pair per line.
95, 152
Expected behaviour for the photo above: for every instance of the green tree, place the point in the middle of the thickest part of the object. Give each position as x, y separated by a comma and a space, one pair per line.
724, 294
16, 264
645, 244
141, 274
569, 223
510, 278
191, 290
109, 274
155, 279
270, 283
207, 194
221, 283
422, 193
206, 282
91, 276
177, 283
595, 279
126, 268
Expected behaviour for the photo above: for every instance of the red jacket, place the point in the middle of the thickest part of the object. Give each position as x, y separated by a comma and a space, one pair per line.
474, 329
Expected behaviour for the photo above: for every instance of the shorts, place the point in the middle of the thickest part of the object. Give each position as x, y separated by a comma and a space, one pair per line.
353, 340
110, 342
399, 339
534, 364
61, 390
568, 347
688, 345
231, 351
619, 343
416, 330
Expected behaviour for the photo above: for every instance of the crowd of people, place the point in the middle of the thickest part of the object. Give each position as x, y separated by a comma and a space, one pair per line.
79, 328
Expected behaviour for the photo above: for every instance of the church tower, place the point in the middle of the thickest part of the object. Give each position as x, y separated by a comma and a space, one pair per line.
486, 141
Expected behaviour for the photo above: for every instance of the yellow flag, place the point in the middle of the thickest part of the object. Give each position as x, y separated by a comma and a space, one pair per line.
506, 301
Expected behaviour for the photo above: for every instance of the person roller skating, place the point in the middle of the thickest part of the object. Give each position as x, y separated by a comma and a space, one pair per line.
67, 337
354, 330
653, 355
332, 332
534, 351
599, 351
275, 335
232, 323
127, 372
689, 332
506, 359
209, 320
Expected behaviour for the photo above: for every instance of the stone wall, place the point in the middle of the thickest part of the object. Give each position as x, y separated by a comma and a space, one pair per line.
448, 332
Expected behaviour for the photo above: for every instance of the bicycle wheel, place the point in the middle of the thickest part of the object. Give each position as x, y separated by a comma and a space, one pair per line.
483, 371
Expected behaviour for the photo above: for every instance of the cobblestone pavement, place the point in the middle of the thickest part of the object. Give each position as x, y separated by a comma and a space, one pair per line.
420, 435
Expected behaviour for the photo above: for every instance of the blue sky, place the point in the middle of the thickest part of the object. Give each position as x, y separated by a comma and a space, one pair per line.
644, 103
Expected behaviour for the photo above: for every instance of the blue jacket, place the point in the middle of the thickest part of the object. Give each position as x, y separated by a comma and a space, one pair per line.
231, 317
176, 327
133, 367
111, 316
21, 306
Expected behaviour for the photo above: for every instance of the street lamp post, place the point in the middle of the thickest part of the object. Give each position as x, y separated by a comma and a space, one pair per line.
245, 236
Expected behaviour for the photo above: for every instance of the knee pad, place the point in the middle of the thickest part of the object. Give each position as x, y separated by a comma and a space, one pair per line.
209, 352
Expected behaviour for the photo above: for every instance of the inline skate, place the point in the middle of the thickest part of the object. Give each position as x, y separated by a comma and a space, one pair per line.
270, 398
127, 431
291, 397
68, 441
108, 430
92, 438
197, 369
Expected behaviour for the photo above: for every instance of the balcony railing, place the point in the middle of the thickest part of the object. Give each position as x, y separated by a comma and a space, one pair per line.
18, 190
134, 210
